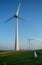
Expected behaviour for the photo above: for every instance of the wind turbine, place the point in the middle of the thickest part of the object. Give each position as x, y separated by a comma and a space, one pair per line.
30, 43
17, 17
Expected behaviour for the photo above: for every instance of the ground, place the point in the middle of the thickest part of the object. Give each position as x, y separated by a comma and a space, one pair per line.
20, 57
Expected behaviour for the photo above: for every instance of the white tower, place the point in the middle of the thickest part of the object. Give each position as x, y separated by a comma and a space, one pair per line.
16, 37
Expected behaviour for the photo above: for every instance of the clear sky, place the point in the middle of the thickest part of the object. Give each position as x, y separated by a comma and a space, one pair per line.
31, 11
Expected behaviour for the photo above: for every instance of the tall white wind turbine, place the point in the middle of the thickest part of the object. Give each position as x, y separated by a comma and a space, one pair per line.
16, 35
16, 38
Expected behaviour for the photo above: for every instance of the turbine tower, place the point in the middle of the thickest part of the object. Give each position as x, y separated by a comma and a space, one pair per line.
16, 35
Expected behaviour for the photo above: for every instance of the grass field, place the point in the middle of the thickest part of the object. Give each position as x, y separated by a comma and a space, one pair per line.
20, 58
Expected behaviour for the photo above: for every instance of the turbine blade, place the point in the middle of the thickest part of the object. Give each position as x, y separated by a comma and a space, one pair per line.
9, 19
18, 10
21, 19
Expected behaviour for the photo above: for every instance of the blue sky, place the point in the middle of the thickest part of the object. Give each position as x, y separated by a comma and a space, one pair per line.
31, 11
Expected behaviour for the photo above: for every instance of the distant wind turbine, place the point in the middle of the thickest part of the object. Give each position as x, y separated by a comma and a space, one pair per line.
17, 17
30, 43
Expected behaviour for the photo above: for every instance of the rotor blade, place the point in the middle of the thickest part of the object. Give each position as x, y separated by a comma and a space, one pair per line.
38, 39
18, 10
9, 19
21, 19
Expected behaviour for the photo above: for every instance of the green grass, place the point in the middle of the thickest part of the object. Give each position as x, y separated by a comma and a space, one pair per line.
20, 58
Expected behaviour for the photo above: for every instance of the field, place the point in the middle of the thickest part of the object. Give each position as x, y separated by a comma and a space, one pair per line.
20, 58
